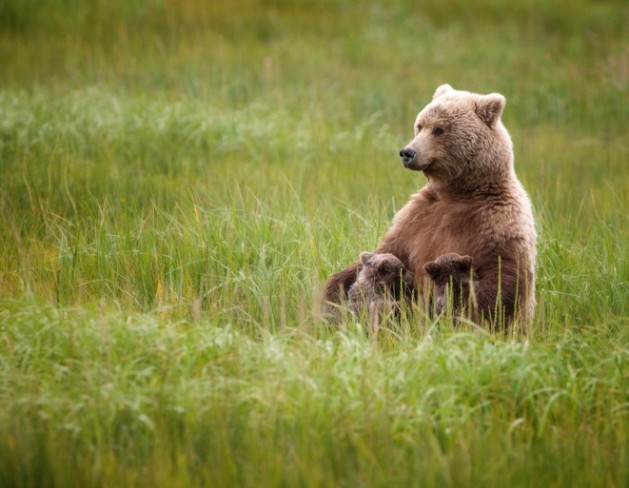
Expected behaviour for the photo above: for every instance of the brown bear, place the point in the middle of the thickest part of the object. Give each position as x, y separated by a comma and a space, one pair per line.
382, 283
473, 204
454, 282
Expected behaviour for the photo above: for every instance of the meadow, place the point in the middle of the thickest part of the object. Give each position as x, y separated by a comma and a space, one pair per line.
179, 178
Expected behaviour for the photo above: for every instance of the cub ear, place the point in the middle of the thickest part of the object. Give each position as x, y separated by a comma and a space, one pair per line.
433, 269
466, 261
365, 257
463, 268
442, 90
489, 108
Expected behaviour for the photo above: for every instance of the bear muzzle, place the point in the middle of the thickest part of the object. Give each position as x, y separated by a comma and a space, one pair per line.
410, 160
407, 155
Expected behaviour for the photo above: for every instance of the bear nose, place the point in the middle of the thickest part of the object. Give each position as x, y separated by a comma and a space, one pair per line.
407, 155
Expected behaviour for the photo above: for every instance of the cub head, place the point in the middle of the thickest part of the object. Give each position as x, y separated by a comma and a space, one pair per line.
450, 265
457, 268
459, 135
384, 270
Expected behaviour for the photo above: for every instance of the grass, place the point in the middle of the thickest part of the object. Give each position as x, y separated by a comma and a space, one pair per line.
177, 181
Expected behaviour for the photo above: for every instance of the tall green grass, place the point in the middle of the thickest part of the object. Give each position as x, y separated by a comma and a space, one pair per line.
99, 399
177, 181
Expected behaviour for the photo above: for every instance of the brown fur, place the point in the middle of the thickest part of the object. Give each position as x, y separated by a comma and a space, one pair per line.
473, 204
383, 279
454, 281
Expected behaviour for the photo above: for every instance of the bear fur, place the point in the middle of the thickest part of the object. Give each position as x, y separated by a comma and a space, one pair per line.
382, 283
472, 204
454, 281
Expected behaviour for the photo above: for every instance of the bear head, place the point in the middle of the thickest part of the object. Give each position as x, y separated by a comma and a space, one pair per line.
452, 273
451, 265
459, 139
384, 271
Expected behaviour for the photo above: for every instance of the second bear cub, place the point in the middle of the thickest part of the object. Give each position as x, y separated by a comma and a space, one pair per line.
454, 281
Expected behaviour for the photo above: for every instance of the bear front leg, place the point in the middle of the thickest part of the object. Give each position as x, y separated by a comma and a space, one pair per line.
338, 284
501, 296
336, 291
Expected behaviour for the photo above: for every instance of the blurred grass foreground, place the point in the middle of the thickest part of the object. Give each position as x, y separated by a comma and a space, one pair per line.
178, 179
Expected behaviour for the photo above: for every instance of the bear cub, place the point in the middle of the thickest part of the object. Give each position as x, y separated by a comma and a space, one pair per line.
382, 283
453, 274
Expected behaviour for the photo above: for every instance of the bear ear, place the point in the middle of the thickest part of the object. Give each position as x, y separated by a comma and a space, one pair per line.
464, 269
433, 270
466, 261
365, 257
489, 108
442, 90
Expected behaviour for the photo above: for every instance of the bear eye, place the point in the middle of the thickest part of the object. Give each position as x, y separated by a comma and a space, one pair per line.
418, 128
437, 131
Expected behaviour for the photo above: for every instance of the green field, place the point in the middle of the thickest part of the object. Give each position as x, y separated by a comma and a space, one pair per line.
179, 178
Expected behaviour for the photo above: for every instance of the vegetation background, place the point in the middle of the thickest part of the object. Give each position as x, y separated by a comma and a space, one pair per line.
178, 179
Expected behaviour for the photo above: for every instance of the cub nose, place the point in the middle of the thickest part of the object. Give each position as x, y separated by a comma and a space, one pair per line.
407, 155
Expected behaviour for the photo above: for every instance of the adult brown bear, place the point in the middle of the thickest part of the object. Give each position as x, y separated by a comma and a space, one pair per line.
473, 204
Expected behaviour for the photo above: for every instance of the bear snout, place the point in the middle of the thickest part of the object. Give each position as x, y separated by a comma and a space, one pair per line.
408, 156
